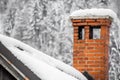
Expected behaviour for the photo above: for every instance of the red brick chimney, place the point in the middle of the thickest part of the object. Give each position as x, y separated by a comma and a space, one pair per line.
91, 44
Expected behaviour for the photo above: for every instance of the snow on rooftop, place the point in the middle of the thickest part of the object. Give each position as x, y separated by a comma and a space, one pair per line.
44, 66
93, 13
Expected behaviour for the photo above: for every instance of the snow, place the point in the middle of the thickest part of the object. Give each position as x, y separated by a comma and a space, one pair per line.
54, 24
44, 66
94, 13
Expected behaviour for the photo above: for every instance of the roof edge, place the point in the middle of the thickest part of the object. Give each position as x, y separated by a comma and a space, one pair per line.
11, 68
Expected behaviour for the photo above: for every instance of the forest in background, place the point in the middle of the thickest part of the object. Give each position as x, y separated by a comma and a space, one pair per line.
46, 26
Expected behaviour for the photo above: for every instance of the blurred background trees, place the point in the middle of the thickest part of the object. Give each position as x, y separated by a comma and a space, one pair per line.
45, 25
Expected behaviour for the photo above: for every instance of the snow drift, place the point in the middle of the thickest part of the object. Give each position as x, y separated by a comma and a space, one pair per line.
44, 66
86, 13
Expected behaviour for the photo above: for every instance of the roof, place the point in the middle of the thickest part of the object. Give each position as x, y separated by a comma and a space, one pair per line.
93, 13
35, 65
23, 72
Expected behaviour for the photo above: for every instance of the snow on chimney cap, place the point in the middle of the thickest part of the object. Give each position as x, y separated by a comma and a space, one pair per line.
93, 13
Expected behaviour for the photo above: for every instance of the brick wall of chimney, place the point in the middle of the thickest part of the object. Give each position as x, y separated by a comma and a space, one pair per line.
91, 55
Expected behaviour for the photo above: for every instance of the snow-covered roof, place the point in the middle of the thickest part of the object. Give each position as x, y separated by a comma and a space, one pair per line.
93, 13
44, 66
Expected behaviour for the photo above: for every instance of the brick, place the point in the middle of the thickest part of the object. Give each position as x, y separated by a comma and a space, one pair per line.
75, 41
91, 58
90, 69
91, 48
74, 25
87, 27
94, 24
87, 30
93, 65
90, 20
99, 41
102, 65
75, 55
100, 46
75, 51
90, 41
91, 44
101, 20
96, 51
83, 47
98, 24
82, 69
75, 31
104, 20
90, 62
100, 55
76, 65
86, 36
76, 35
99, 61
75, 28
81, 65
75, 47
75, 58
81, 59
99, 68
79, 24
82, 54
94, 73
75, 61
105, 24
86, 58
92, 54
81, 41
76, 20
99, 77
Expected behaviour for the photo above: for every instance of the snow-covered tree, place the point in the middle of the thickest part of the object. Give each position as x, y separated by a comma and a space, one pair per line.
45, 25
